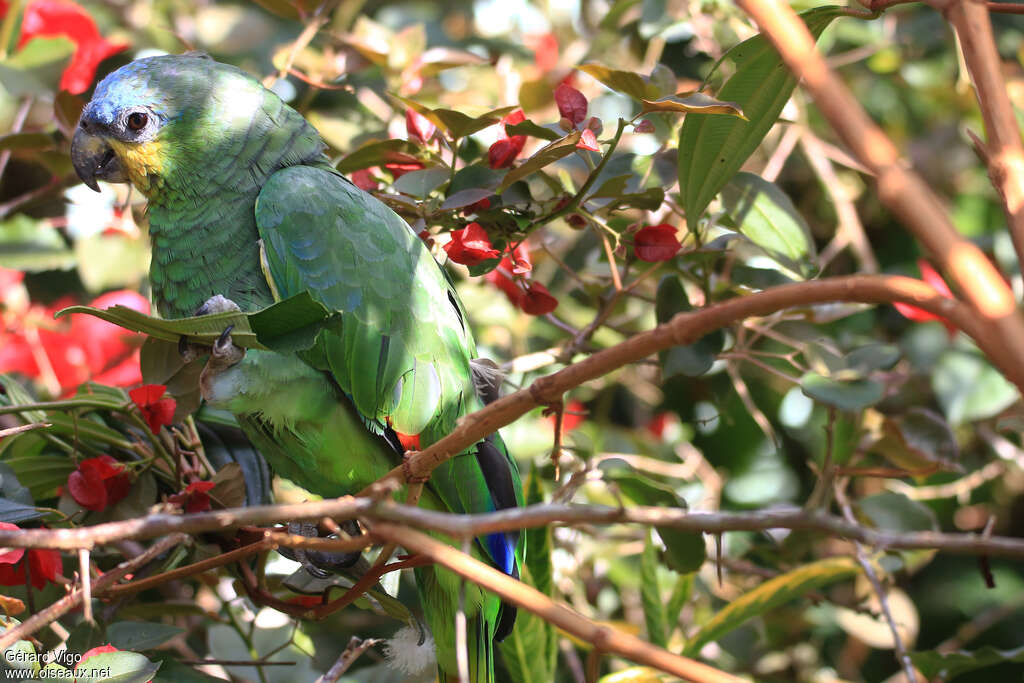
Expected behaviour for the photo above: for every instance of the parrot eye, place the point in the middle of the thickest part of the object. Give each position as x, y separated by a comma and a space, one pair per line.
137, 121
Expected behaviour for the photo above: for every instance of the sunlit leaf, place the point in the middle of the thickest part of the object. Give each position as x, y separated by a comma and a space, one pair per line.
765, 215
693, 103
713, 148
626, 82
770, 595
549, 154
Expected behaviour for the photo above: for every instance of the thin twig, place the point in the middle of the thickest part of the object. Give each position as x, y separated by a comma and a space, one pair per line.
74, 599
352, 652
899, 649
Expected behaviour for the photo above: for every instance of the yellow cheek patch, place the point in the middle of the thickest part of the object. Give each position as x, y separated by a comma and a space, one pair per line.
141, 162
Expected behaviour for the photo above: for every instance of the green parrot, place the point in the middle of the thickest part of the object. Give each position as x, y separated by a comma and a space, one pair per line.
244, 210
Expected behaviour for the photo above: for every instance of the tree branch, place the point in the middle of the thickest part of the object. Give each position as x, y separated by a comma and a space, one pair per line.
1005, 151
469, 526
901, 190
604, 638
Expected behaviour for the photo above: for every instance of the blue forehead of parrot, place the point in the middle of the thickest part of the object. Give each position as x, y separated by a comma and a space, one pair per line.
159, 83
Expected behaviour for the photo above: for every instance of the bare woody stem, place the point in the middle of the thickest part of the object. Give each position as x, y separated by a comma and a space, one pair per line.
604, 638
1004, 152
900, 189
469, 526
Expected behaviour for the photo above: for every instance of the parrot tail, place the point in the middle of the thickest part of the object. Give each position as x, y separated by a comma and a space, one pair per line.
480, 651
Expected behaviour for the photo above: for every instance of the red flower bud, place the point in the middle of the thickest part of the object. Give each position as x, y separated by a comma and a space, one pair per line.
588, 141
656, 243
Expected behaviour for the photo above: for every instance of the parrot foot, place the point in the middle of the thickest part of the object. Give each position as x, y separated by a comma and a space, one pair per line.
411, 478
319, 563
215, 304
223, 355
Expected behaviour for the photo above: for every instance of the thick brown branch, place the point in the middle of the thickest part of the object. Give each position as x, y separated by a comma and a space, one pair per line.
901, 190
604, 638
686, 328
1005, 151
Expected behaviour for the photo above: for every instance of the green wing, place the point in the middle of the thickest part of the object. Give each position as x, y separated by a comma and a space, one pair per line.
400, 348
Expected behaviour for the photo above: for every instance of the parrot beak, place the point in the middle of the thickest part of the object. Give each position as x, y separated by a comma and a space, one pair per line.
94, 159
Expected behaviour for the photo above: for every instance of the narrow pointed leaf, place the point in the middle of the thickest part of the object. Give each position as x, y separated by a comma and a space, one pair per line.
713, 148
770, 595
693, 103
549, 154
650, 595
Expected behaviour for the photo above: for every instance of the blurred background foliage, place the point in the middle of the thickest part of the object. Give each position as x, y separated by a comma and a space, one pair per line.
928, 432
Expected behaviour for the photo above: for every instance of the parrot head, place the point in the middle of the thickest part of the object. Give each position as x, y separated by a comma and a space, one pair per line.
170, 123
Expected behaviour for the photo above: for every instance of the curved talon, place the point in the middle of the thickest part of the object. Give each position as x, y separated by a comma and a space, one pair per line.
189, 351
223, 343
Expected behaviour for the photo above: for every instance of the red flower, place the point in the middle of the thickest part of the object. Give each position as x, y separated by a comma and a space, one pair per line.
66, 354
49, 18
470, 246
155, 410
503, 153
572, 104
194, 498
43, 564
656, 243
364, 180
931, 277
588, 141
538, 300
419, 127
545, 50
99, 482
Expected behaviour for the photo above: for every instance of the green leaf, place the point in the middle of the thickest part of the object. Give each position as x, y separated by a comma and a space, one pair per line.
648, 200
116, 667
626, 82
37, 141
864, 360
920, 441
851, 396
769, 595
692, 360
140, 635
85, 636
610, 22
685, 550
204, 329
36, 68
455, 123
895, 512
378, 153
681, 593
766, 216
33, 245
419, 184
42, 474
693, 103
713, 148
969, 388
465, 197
530, 128
548, 154
946, 665
650, 595
638, 488
288, 325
